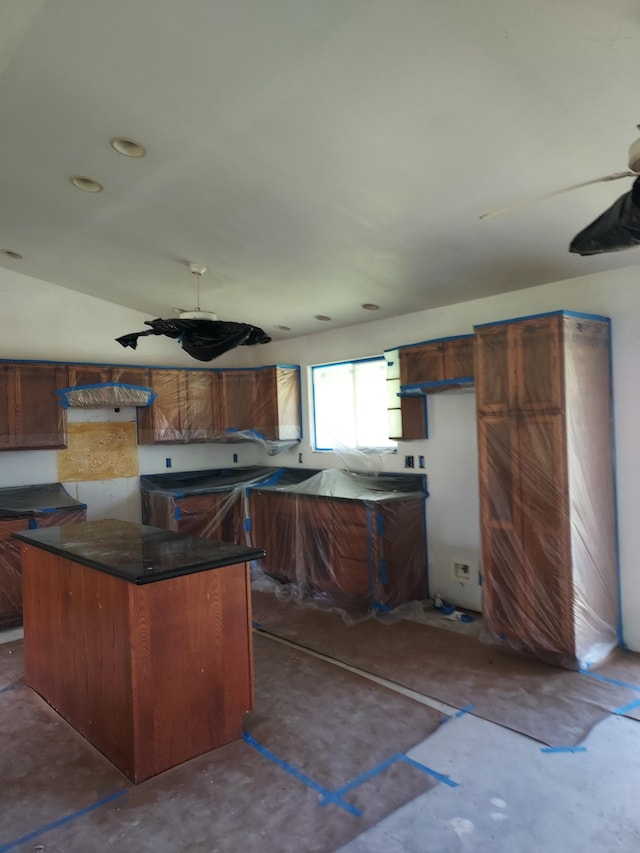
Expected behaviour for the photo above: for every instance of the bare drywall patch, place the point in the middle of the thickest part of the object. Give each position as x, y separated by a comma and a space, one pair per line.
99, 451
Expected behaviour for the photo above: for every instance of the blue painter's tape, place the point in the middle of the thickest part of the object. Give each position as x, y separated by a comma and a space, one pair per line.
178, 513
378, 605
247, 524
563, 749
63, 820
576, 314
429, 771
301, 777
466, 710
256, 625
383, 572
375, 771
626, 708
610, 680
33, 524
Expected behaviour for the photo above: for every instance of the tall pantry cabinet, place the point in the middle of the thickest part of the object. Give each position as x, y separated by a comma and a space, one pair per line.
547, 502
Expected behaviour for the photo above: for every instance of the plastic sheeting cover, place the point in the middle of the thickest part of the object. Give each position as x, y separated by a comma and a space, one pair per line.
105, 395
616, 229
22, 501
353, 541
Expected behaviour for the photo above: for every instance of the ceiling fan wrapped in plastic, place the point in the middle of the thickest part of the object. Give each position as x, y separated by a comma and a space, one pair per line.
617, 228
200, 334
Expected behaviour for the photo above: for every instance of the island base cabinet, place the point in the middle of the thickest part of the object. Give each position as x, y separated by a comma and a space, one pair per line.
151, 674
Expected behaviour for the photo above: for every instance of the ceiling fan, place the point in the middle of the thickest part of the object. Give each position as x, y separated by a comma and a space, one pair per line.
633, 171
615, 229
196, 313
199, 332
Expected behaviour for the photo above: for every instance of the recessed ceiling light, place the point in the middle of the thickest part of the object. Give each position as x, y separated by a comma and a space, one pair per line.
15, 255
322, 317
284, 328
86, 184
127, 147
369, 306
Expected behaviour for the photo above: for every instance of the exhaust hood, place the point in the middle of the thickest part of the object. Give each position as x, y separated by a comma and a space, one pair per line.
105, 395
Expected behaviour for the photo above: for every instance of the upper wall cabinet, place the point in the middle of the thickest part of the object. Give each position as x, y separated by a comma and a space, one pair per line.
262, 400
183, 411
438, 365
92, 374
31, 417
209, 405
426, 368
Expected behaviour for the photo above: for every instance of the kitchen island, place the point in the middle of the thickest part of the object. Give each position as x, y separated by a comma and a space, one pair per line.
140, 638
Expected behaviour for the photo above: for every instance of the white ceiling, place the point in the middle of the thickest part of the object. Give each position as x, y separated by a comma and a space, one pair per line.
313, 154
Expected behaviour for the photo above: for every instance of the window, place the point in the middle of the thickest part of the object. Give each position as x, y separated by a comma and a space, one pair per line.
350, 405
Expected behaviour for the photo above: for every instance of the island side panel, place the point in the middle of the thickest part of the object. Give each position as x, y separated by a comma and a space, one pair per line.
192, 665
77, 651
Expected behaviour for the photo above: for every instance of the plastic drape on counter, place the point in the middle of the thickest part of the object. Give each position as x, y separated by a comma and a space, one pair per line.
345, 539
23, 507
253, 404
105, 394
547, 487
209, 503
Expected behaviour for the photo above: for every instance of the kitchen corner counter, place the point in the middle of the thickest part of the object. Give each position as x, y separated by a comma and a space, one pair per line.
135, 552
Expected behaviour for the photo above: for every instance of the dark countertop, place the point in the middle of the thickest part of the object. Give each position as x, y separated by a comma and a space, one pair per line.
180, 483
368, 486
135, 552
27, 501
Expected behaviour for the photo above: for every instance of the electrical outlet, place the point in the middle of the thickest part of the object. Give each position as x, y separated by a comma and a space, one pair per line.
462, 571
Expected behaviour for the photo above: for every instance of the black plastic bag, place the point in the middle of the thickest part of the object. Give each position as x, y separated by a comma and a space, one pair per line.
201, 339
616, 229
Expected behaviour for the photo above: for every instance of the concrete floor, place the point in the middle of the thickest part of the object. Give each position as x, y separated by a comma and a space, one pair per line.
512, 796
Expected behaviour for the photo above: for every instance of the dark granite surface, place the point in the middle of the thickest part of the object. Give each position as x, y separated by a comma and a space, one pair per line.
135, 552
24, 501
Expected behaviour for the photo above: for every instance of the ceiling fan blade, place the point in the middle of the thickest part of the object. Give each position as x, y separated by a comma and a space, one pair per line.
604, 179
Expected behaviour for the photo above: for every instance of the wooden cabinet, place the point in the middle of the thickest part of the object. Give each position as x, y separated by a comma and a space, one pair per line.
447, 360
416, 370
184, 410
93, 374
546, 484
10, 573
357, 552
31, 417
206, 405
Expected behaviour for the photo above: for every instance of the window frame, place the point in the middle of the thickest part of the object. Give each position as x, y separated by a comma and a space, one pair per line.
392, 447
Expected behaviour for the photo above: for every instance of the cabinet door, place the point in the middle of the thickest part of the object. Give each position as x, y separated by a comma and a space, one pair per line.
131, 376
401, 551
274, 527
459, 358
266, 404
88, 374
40, 419
421, 363
316, 562
210, 515
354, 551
495, 370
539, 364
10, 573
239, 388
163, 421
414, 418
545, 593
500, 523
8, 392
199, 420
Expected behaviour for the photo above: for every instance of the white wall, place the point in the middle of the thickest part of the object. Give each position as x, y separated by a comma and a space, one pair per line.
44, 321
451, 451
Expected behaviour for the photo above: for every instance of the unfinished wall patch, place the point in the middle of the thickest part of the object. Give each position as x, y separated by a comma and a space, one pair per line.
99, 451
